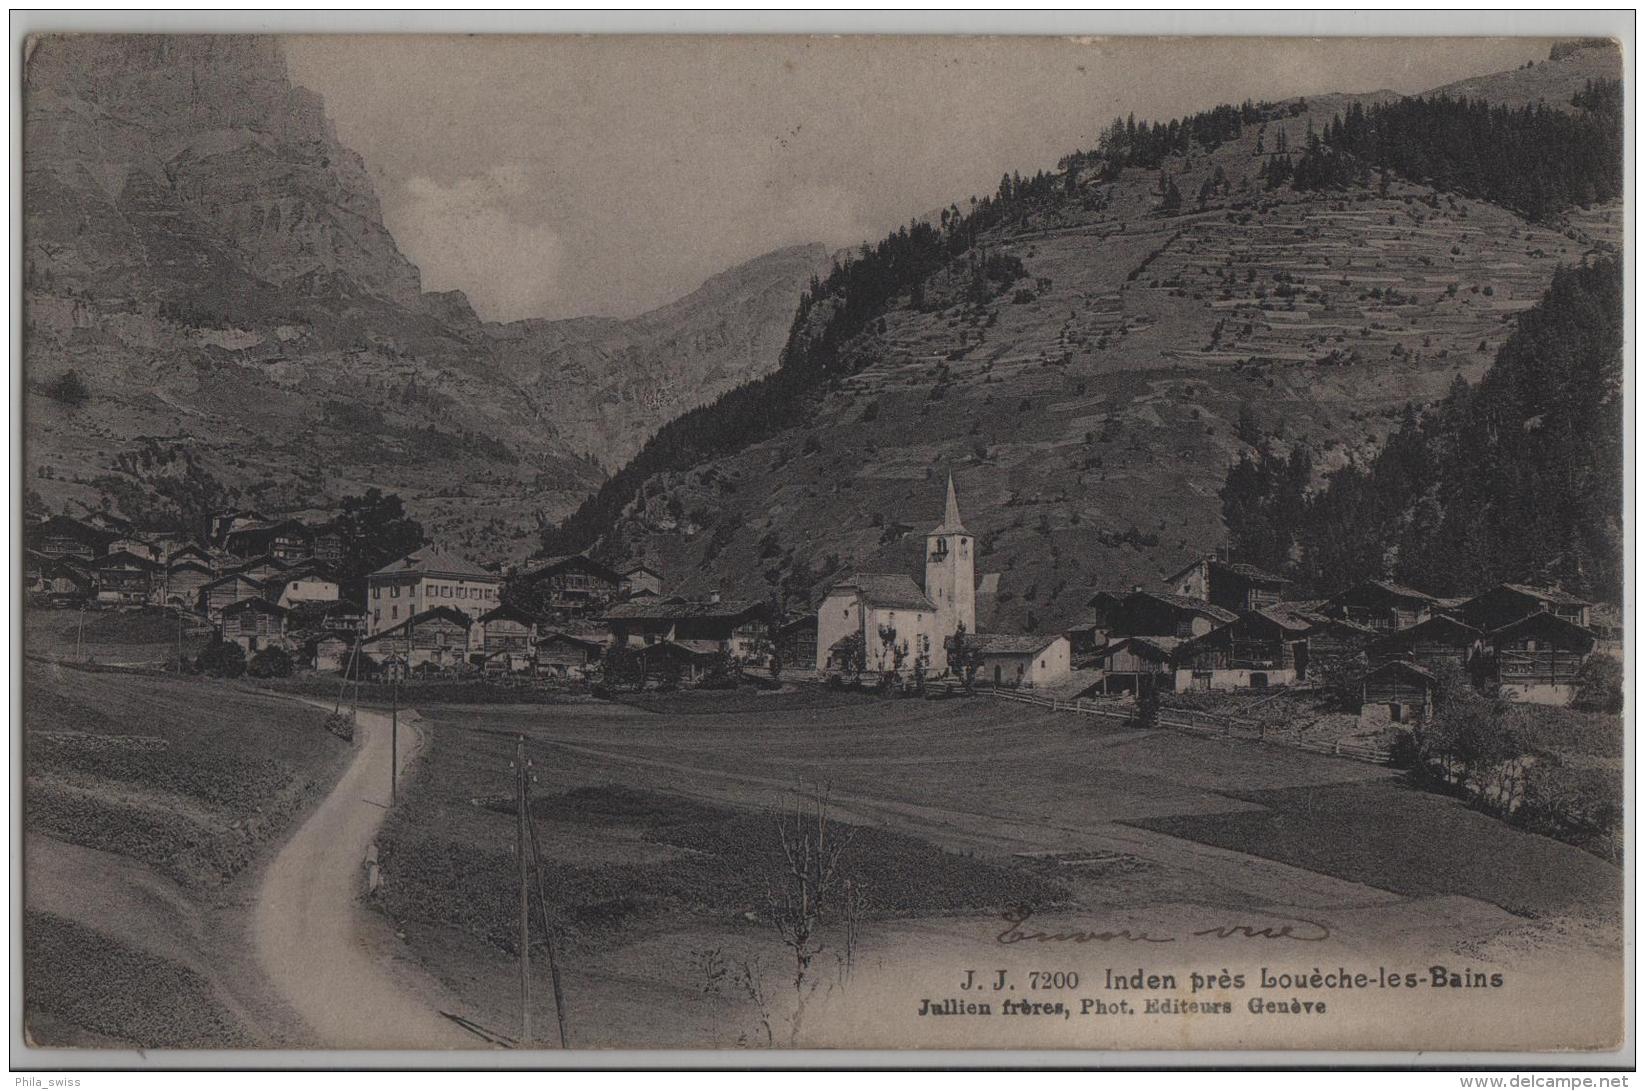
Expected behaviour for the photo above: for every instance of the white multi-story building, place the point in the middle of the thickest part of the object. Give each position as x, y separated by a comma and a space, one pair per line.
424, 580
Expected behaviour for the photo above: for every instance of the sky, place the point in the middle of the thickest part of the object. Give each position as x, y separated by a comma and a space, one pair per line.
555, 176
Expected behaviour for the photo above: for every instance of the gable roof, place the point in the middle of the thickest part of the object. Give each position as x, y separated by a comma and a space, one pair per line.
1543, 620
893, 590
549, 565
228, 577
1434, 626
1190, 604
505, 612
1401, 666
430, 561
587, 640
1248, 572
127, 558
1388, 587
433, 613
1162, 647
1545, 594
637, 566
1010, 644
650, 609
259, 604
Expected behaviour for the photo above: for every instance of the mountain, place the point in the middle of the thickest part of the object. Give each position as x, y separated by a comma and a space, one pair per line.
1087, 352
631, 375
211, 265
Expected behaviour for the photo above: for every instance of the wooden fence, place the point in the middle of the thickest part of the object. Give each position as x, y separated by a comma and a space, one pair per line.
1204, 724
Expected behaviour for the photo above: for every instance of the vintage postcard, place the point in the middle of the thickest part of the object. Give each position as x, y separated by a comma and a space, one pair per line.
756, 543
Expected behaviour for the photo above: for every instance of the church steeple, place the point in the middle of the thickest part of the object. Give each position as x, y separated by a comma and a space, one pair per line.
951, 515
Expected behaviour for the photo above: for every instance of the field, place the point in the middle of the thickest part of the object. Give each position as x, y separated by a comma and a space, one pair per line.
149, 636
659, 827
149, 802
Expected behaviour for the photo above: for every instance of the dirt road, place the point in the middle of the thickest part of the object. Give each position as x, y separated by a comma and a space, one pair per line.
313, 937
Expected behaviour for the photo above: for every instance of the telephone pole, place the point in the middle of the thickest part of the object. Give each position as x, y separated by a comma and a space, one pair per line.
394, 747
521, 848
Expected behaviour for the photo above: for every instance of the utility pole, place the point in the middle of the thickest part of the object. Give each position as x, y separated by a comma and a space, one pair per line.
394, 747
79, 631
521, 849
548, 934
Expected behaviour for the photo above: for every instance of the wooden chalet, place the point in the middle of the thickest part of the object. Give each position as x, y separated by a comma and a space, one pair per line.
283, 539
326, 544
191, 551
687, 659
1125, 661
62, 536
267, 569
1433, 643
1397, 692
1237, 587
57, 580
329, 651
639, 579
643, 622
1380, 605
224, 591
1537, 658
1162, 613
1254, 651
505, 631
436, 637
254, 624
1508, 602
562, 653
572, 586
797, 641
124, 579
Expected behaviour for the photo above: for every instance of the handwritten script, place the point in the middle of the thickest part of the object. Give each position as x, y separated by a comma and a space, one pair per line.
1298, 929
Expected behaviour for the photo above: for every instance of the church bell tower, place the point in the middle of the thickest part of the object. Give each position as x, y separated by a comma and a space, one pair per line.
950, 573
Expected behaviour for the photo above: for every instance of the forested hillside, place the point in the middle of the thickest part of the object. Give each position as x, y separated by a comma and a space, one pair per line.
1087, 350
1515, 478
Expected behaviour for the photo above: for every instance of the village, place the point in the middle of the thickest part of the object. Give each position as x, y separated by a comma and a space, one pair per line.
270, 589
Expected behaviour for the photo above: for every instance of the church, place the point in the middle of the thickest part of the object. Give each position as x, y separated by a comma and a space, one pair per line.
919, 622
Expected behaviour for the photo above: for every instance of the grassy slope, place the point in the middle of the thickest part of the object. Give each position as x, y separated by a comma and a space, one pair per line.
1089, 428
184, 783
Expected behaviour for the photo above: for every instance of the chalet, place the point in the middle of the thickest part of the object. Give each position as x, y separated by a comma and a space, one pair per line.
1538, 657
1126, 661
61, 536
110, 522
218, 594
567, 654
643, 622
638, 579
1328, 639
137, 547
59, 581
1254, 651
1024, 661
225, 522
1161, 613
797, 642
505, 631
266, 569
283, 539
571, 586
435, 637
1237, 587
423, 581
1105, 611
183, 581
1508, 602
689, 660
190, 551
254, 624
326, 544
1397, 692
1380, 605
329, 652
1440, 640
124, 579
301, 585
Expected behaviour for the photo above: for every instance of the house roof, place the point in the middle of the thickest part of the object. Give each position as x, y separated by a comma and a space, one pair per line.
1438, 623
229, 577
695, 649
1400, 666
587, 640
1189, 603
64, 524
505, 612
261, 605
1546, 594
1163, 646
1109, 596
125, 557
677, 610
1543, 620
549, 565
637, 566
433, 613
1388, 587
1248, 572
1289, 620
429, 561
1010, 644
890, 589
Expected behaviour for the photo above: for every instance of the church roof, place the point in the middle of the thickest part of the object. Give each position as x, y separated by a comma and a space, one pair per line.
894, 590
951, 514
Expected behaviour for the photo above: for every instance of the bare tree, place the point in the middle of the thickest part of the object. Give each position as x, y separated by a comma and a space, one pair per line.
807, 895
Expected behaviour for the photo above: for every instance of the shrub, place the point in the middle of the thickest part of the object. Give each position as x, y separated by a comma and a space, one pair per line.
1599, 685
270, 663
221, 659
68, 388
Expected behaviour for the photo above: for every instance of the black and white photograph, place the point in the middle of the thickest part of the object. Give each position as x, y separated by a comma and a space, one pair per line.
761, 543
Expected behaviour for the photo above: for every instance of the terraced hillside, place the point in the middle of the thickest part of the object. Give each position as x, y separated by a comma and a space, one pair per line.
1089, 408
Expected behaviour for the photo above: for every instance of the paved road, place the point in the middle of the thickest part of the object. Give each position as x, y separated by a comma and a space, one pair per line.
312, 934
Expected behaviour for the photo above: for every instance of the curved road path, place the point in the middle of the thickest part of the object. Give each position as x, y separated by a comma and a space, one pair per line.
310, 930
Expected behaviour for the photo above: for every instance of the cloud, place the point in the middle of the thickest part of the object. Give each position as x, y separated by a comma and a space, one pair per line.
473, 234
